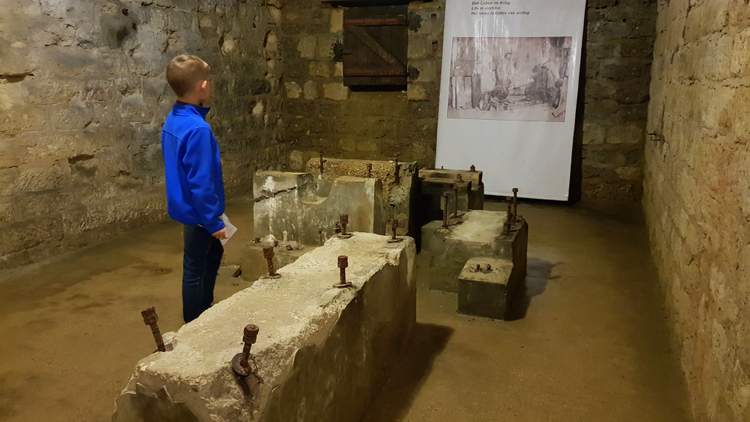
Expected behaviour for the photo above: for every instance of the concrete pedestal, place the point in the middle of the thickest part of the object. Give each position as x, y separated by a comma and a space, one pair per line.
308, 209
480, 234
400, 194
485, 285
476, 192
322, 352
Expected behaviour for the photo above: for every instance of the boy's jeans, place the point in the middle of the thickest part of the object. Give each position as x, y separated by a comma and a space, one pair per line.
200, 264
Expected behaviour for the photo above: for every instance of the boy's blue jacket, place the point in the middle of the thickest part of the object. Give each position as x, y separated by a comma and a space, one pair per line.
192, 166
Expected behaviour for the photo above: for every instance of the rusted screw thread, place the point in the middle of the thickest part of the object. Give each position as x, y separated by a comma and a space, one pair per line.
151, 319
455, 200
344, 221
508, 217
396, 170
268, 254
343, 263
445, 208
250, 335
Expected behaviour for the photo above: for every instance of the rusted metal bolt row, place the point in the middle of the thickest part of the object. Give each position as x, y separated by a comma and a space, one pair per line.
151, 319
343, 263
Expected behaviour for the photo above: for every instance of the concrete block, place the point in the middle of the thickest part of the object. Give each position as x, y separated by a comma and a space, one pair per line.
321, 352
402, 194
308, 209
485, 287
476, 195
480, 234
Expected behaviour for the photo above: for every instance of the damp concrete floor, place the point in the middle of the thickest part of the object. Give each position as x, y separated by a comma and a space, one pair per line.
591, 344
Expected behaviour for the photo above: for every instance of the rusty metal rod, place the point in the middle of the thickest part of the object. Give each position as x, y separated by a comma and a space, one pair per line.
343, 263
369, 170
268, 253
444, 200
151, 319
515, 205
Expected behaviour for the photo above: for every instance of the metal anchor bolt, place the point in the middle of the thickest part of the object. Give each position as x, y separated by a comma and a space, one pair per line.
151, 319
268, 254
241, 361
343, 222
515, 205
508, 218
321, 163
369, 170
394, 228
343, 263
396, 170
444, 205
472, 168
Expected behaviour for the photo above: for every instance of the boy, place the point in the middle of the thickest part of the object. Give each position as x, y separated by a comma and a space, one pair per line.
195, 189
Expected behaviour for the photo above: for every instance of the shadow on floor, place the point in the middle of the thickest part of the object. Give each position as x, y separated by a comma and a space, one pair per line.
538, 273
395, 398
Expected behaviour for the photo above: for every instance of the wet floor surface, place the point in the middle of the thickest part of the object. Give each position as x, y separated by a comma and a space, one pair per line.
592, 345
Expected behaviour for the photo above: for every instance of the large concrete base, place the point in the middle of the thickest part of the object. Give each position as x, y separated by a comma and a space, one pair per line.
480, 234
308, 209
322, 352
398, 193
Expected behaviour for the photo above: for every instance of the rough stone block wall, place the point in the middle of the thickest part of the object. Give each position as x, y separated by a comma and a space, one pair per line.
697, 196
323, 115
83, 96
619, 44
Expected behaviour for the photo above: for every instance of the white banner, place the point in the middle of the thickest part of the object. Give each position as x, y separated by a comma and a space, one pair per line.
508, 92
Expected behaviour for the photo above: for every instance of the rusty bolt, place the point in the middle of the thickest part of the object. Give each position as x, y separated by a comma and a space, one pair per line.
489, 268
394, 228
151, 319
343, 222
444, 202
369, 169
268, 254
508, 218
396, 170
343, 263
321, 163
472, 168
478, 268
241, 361
515, 205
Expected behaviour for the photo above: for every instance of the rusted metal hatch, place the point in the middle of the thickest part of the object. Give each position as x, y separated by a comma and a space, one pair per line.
375, 46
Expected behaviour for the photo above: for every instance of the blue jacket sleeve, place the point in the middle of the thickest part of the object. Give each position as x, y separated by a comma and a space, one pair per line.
200, 161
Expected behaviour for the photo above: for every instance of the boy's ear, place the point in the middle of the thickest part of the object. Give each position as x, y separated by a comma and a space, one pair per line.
204, 84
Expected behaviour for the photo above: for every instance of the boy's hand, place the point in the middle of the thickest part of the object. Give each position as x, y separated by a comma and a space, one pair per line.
221, 234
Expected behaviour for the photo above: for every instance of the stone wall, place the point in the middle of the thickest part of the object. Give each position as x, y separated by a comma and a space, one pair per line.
697, 196
619, 45
82, 98
324, 115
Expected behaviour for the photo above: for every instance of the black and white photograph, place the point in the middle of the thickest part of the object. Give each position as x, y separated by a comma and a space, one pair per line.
509, 78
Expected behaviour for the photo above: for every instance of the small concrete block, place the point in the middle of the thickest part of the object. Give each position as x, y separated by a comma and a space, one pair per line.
485, 291
447, 250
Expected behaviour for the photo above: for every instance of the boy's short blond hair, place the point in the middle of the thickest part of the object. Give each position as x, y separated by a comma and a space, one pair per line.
184, 71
